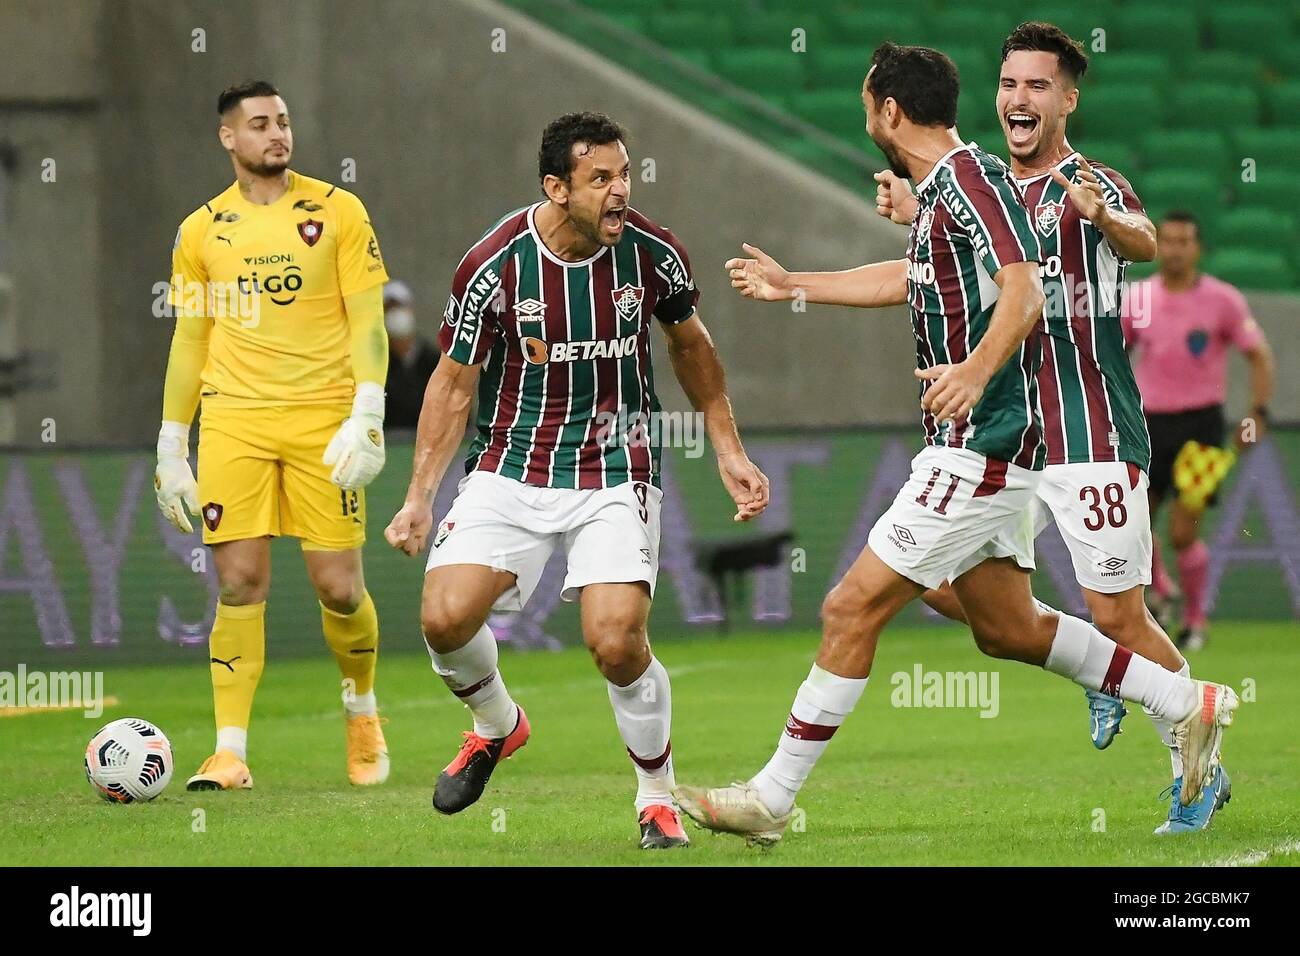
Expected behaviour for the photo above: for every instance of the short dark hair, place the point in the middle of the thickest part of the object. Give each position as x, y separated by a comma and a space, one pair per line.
555, 158
232, 96
1048, 38
1182, 215
922, 81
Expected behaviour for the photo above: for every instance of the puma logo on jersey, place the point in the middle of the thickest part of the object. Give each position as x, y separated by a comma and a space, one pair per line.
228, 665
538, 352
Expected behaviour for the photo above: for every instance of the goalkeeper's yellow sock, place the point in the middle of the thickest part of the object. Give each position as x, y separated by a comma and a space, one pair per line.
354, 639
237, 651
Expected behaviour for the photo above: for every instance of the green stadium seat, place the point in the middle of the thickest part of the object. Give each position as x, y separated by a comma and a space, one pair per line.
1139, 69
836, 67
977, 70
1168, 30
1117, 112
872, 26
839, 112
1284, 58
1271, 192
976, 109
1254, 227
1248, 30
696, 57
690, 30
645, 8
763, 71
1164, 189
1219, 66
1118, 154
958, 26
1249, 268
775, 30
1078, 20
1273, 149
1283, 103
1224, 105
1205, 149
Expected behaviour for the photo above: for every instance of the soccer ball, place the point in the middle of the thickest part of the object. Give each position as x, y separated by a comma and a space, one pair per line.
129, 760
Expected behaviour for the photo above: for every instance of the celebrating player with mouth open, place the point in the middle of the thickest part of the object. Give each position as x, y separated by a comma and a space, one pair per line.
550, 317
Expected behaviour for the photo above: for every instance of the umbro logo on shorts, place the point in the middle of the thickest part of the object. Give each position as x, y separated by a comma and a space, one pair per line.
904, 535
1112, 564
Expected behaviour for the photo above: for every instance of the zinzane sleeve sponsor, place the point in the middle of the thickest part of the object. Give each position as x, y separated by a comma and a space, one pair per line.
469, 324
678, 294
988, 205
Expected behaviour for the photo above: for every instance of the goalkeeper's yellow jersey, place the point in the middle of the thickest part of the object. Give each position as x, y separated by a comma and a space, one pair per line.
272, 279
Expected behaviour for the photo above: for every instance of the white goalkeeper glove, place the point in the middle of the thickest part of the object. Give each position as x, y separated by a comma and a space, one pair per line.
173, 480
357, 449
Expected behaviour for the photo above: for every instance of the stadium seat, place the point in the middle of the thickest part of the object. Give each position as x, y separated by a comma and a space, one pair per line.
1118, 154
775, 30
1117, 112
1219, 66
1247, 29
977, 71
634, 22
839, 112
762, 71
1177, 188
1252, 227
1204, 149
1078, 20
871, 26
1224, 105
1273, 149
645, 8
1164, 29
957, 26
1283, 102
836, 67
691, 30
1249, 268
1138, 69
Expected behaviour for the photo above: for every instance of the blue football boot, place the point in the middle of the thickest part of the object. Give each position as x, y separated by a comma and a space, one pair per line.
1106, 713
1198, 816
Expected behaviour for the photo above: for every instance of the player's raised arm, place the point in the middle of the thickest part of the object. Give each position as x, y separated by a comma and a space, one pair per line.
174, 482
695, 362
866, 287
1107, 201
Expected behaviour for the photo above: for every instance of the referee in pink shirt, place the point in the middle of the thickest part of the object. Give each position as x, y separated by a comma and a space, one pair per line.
1180, 325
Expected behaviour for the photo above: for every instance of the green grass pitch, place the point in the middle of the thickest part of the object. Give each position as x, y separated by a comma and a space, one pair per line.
897, 786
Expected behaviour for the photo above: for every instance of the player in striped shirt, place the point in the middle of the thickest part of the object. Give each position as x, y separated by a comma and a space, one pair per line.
1091, 225
550, 315
971, 279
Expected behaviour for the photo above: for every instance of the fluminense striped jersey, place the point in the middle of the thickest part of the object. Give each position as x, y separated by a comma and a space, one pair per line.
970, 222
1087, 394
566, 347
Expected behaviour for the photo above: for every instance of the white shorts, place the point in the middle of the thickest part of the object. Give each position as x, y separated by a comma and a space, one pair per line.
957, 509
610, 535
1101, 510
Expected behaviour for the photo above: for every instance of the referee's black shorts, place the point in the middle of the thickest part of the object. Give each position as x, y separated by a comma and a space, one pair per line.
1169, 433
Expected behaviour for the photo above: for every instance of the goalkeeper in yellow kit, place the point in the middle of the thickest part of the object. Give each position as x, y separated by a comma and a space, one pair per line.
276, 287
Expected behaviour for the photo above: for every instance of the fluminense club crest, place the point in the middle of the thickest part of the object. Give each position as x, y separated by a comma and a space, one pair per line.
1047, 215
924, 222
627, 300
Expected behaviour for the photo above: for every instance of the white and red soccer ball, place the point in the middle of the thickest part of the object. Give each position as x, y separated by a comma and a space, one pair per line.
129, 760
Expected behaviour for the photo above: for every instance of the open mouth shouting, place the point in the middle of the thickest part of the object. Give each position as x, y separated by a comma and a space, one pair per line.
1021, 127
613, 219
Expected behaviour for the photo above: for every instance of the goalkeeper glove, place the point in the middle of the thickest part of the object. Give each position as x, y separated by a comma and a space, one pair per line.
357, 449
173, 481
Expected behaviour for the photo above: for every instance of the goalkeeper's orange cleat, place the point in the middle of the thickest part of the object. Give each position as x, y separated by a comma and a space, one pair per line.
367, 750
222, 771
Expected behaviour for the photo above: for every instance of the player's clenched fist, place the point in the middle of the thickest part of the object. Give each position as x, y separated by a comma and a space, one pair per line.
409, 529
953, 390
894, 199
760, 277
747, 485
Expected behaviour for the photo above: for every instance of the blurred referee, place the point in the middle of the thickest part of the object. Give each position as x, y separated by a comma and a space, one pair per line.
1182, 324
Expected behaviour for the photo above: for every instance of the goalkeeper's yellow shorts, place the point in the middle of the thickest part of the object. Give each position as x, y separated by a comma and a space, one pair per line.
260, 473
1199, 470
